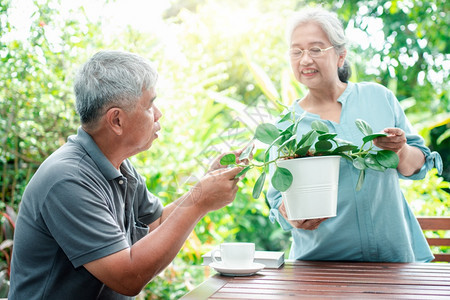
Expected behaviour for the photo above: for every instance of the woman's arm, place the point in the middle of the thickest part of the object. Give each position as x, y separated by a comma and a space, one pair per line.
411, 159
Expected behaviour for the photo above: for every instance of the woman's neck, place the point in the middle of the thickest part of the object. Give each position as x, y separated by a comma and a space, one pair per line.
323, 102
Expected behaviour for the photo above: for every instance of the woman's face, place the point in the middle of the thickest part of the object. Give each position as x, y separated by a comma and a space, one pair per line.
317, 72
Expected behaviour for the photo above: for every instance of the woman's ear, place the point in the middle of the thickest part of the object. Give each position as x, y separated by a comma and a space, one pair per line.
114, 119
341, 58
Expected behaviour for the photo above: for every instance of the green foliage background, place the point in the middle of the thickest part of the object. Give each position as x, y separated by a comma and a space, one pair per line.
221, 65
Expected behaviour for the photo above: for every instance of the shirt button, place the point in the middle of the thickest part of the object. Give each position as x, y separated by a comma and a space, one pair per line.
120, 181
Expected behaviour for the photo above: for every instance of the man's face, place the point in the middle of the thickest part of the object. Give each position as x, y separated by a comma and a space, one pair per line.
142, 125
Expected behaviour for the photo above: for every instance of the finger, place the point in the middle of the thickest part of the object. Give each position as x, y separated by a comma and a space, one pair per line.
297, 224
282, 210
394, 131
230, 173
312, 224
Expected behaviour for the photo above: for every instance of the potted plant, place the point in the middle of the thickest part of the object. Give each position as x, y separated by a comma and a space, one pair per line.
318, 142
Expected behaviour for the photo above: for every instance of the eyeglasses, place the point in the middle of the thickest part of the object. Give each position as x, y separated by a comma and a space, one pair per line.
313, 52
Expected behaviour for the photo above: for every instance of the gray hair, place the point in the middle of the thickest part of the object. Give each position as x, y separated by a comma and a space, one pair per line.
111, 78
332, 27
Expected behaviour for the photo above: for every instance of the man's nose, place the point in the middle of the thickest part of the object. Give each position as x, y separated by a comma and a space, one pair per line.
157, 113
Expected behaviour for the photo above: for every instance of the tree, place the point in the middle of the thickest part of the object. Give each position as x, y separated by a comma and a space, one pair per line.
36, 101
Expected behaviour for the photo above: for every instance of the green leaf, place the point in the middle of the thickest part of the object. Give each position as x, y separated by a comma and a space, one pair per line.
242, 172
308, 138
319, 126
443, 137
289, 142
360, 182
387, 158
267, 156
298, 120
259, 185
246, 153
279, 140
343, 142
302, 151
286, 117
259, 155
327, 136
364, 127
345, 156
266, 133
281, 179
371, 137
345, 148
323, 145
359, 163
228, 159
288, 131
373, 164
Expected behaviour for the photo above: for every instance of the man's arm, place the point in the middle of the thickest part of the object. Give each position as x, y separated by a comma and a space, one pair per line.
129, 270
168, 209
215, 165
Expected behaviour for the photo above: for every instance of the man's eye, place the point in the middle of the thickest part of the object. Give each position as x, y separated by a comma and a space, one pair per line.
315, 50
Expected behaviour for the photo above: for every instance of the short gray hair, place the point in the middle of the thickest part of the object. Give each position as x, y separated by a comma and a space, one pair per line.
111, 78
332, 27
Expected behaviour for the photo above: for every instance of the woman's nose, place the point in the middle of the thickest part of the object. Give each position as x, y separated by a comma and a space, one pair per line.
305, 58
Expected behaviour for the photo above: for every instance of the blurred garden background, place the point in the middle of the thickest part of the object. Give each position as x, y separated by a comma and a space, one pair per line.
223, 65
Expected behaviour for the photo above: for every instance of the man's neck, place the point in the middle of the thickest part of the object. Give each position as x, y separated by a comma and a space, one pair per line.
108, 143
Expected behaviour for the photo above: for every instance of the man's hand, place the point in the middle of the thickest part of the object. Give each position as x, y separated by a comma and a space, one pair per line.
216, 189
216, 163
310, 224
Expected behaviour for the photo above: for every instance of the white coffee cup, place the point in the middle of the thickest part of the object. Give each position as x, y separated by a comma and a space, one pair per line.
235, 255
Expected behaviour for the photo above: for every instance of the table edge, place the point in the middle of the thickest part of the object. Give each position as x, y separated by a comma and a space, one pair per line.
205, 289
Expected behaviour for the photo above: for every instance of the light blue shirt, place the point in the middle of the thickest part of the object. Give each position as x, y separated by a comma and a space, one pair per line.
375, 223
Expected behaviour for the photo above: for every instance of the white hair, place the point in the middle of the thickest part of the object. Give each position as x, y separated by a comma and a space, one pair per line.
111, 78
332, 27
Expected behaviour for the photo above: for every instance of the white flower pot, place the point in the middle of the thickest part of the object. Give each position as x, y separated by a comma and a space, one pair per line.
313, 193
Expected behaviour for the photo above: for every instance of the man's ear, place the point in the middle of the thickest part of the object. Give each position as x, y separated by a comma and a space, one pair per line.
114, 119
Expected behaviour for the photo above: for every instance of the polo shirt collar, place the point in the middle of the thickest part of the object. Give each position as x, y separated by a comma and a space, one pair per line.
91, 148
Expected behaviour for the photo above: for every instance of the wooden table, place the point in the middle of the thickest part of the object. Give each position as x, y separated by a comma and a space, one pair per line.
312, 279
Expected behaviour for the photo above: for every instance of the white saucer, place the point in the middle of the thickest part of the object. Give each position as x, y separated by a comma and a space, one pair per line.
224, 270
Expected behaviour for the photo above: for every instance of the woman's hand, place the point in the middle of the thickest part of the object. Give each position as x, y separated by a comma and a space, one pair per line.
395, 141
411, 159
310, 224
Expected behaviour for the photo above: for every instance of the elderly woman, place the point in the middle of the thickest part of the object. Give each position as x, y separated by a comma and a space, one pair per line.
374, 223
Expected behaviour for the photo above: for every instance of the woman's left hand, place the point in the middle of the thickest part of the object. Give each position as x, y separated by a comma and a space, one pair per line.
395, 140
308, 224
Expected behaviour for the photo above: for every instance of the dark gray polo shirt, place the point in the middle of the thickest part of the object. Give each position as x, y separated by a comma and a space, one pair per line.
77, 208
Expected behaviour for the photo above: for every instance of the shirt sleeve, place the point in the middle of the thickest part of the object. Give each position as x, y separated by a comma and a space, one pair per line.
432, 159
78, 217
150, 206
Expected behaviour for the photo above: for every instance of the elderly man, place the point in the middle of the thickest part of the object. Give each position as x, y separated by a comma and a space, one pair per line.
88, 228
